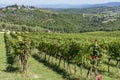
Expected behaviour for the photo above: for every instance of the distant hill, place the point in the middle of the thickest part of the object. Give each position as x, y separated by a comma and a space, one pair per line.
110, 4
93, 10
28, 17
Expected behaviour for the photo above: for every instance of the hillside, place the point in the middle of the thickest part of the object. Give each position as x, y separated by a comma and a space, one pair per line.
58, 21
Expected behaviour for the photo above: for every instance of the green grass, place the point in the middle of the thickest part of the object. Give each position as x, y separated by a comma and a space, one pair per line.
100, 35
3, 64
112, 75
37, 71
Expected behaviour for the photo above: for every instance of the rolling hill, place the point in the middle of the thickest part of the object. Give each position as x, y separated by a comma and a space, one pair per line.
59, 21
109, 4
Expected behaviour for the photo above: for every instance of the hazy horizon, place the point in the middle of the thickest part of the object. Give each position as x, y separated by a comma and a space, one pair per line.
53, 2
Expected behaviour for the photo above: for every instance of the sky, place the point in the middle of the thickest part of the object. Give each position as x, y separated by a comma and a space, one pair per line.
42, 2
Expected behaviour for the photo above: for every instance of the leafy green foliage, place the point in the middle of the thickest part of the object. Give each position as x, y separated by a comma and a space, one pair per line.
19, 49
36, 20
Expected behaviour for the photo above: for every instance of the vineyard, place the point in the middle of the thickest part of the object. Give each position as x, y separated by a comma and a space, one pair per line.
85, 56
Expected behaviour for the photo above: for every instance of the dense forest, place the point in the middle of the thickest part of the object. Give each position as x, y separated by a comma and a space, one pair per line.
25, 18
